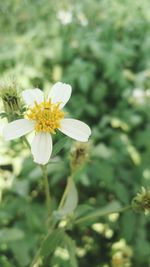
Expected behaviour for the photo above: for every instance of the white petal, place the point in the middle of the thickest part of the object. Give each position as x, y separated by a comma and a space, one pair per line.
60, 92
17, 128
75, 129
41, 148
32, 95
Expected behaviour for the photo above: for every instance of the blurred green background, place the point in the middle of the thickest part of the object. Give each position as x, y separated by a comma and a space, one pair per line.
101, 48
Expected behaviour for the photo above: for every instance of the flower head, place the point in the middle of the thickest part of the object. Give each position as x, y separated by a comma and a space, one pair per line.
10, 96
121, 254
141, 202
79, 155
44, 116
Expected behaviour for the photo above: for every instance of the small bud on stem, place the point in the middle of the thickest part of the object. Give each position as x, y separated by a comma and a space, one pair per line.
141, 202
79, 155
10, 97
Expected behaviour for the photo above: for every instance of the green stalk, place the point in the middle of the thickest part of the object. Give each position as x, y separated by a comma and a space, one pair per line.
98, 214
46, 185
45, 177
24, 139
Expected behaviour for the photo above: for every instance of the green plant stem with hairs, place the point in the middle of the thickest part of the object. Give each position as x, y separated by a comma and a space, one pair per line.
24, 139
47, 189
98, 214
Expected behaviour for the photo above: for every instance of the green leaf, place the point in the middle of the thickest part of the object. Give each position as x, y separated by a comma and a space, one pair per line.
113, 207
69, 200
83, 210
50, 243
59, 146
5, 262
8, 235
70, 245
21, 252
128, 225
3, 114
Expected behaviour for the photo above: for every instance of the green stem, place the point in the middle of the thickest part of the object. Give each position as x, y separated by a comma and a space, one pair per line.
37, 255
46, 185
48, 204
100, 214
1, 196
25, 141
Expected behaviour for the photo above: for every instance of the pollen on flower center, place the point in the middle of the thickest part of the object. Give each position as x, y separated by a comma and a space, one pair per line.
46, 115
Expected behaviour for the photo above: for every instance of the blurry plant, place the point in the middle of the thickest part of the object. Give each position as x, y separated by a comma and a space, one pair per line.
5, 181
102, 49
65, 17
45, 116
121, 254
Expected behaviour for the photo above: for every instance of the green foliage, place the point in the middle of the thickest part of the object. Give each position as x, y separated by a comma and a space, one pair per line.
51, 242
8, 235
59, 146
92, 216
103, 52
69, 200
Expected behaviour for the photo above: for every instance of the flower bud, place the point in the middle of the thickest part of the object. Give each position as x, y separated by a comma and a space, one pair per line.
141, 202
121, 254
10, 97
79, 155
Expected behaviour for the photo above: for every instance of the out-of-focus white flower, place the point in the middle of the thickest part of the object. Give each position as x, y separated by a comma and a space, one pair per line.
148, 93
64, 16
82, 19
138, 93
140, 96
44, 116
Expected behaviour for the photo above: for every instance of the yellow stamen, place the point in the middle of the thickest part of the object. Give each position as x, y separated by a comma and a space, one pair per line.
46, 115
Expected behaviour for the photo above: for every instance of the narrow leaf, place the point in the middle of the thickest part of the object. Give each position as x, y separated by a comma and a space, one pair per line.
3, 114
110, 208
70, 245
8, 235
59, 146
70, 200
50, 243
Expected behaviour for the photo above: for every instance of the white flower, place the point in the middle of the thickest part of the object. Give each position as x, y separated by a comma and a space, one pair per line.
65, 17
44, 116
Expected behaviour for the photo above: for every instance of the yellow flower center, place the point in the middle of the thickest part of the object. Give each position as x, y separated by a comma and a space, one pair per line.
46, 115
